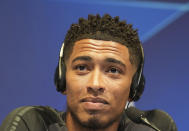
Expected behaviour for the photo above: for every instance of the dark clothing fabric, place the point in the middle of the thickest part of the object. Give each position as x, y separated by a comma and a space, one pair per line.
129, 127
42, 118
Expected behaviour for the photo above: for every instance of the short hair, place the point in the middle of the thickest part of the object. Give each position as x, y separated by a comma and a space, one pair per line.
104, 28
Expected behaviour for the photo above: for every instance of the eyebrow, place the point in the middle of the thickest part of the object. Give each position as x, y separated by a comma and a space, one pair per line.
82, 58
109, 60
112, 60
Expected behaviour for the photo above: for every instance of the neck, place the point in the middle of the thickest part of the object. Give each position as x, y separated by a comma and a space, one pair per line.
73, 125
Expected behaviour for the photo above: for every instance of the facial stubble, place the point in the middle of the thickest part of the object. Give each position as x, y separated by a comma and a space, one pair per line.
94, 122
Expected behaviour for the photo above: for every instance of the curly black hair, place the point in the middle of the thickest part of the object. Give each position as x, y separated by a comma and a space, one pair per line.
104, 28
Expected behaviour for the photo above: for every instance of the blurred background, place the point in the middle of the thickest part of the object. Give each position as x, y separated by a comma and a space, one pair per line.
31, 33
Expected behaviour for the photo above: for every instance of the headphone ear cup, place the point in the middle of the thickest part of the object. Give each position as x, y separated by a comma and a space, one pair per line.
60, 82
136, 89
63, 79
133, 87
56, 78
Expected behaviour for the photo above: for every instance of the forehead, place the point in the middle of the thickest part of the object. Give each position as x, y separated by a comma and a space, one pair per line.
101, 48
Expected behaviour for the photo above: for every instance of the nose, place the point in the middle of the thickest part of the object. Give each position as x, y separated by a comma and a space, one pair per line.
95, 86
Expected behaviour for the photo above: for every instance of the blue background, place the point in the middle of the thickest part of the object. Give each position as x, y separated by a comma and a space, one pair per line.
31, 33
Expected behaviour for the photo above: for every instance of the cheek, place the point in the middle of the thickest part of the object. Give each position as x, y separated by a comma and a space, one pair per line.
120, 92
121, 96
74, 87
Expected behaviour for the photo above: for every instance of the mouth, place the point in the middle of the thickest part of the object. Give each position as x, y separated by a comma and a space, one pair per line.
94, 100
94, 104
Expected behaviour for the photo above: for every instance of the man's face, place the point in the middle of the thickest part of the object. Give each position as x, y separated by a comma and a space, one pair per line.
98, 79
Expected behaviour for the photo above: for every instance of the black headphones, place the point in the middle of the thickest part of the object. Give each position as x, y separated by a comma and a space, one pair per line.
137, 85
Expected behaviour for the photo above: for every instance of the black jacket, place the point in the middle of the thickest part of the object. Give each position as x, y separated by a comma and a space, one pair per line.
43, 118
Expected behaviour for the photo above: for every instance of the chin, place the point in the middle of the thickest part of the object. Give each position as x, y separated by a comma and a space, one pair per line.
93, 120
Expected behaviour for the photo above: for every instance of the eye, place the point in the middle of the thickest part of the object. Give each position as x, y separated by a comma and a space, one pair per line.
80, 67
114, 70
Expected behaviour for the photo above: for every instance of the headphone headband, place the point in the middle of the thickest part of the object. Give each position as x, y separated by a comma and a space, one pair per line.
60, 60
141, 65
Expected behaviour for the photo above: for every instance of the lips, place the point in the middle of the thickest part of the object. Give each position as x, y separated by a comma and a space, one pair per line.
94, 100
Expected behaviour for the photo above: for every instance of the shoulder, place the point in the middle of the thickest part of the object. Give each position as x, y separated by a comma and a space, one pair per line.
24, 118
127, 124
148, 120
131, 126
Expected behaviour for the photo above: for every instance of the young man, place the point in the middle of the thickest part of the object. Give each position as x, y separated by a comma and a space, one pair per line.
100, 70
